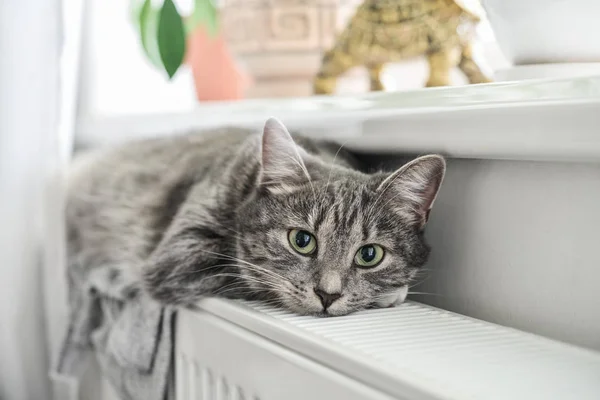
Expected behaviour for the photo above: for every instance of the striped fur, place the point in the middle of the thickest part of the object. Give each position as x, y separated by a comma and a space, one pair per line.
198, 215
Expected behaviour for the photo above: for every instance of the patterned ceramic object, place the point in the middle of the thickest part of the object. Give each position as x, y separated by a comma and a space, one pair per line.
280, 42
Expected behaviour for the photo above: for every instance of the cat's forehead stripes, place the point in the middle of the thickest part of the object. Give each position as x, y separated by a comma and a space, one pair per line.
346, 207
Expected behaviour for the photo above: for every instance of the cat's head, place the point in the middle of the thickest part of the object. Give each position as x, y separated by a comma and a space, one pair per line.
326, 240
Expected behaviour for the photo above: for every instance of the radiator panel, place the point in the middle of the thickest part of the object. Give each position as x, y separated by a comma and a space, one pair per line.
218, 360
412, 351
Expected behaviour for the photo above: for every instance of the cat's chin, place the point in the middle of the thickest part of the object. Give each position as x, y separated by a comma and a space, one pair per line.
303, 309
315, 309
329, 313
393, 299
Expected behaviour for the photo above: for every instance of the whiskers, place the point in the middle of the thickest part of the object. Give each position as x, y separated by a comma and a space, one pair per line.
386, 296
333, 164
248, 278
425, 294
300, 164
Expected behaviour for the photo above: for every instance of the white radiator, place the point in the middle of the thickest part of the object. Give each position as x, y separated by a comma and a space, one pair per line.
247, 351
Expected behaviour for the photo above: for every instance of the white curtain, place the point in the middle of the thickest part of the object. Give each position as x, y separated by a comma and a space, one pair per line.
30, 153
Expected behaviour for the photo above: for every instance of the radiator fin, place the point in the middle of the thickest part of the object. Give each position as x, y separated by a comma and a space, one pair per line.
455, 356
197, 382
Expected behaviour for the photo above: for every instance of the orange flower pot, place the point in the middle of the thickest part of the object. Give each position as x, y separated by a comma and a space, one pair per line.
217, 75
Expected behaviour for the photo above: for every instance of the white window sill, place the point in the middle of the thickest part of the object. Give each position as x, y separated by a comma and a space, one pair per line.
536, 120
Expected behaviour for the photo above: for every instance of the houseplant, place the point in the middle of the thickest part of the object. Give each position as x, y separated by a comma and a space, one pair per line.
170, 39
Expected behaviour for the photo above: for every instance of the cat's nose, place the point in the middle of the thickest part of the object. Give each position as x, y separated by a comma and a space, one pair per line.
327, 298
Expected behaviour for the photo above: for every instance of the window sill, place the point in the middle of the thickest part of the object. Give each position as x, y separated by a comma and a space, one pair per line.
531, 120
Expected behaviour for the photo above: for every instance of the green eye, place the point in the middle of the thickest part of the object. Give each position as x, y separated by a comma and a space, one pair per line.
369, 256
303, 242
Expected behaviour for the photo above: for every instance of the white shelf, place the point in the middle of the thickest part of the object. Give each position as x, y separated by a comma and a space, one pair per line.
543, 119
414, 351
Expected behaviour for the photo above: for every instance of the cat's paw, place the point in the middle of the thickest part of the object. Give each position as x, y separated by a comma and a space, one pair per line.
393, 299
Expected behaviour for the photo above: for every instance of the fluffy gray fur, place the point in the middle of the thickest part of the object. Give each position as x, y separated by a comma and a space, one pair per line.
209, 214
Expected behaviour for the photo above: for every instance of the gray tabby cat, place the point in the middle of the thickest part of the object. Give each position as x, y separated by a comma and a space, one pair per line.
252, 216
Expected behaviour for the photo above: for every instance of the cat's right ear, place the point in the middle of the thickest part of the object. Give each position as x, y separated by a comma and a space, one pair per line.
413, 188
282, 164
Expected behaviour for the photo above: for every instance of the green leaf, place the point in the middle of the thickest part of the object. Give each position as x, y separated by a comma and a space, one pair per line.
205, 13
171, 38
148, 27
135, 8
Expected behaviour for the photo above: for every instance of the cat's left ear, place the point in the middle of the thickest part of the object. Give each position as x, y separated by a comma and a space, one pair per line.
283, 166
413, 188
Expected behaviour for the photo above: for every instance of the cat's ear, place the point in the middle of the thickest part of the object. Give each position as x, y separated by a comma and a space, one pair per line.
282, 164
412, 189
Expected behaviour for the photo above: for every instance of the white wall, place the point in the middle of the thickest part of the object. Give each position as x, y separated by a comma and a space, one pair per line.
516, 243
29, 48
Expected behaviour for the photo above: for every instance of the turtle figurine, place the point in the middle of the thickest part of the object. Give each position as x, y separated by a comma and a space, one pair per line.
383, 31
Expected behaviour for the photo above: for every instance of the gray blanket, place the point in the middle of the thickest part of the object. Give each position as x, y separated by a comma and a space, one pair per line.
129, 334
